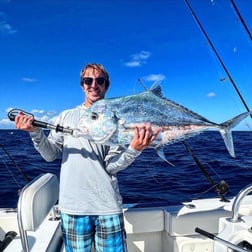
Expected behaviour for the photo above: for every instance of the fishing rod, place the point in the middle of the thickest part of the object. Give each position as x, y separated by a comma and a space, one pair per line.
14, 112
247, 246
16, 165
9, 236
218, 56
221, 188
241, 19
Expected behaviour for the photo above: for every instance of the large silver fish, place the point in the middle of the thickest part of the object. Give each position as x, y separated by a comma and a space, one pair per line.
112, 121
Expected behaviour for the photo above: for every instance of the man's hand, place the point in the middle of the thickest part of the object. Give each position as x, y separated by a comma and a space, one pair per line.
143, 137
24, 122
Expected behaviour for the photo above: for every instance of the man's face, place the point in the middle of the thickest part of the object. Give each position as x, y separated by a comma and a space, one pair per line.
93, 89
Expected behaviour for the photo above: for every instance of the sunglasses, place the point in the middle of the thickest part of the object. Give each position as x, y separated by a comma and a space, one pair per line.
88, 80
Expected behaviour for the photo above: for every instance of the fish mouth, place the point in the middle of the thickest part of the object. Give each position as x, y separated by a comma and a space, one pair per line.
82, 126
85, 131
77, 132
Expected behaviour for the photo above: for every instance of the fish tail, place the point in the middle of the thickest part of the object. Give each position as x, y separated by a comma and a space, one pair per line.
228, 140
225, 130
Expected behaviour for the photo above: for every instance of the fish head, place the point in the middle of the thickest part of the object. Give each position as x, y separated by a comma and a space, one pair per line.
98, 123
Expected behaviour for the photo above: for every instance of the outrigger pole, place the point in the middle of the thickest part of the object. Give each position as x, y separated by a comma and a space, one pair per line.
222, 187
217, 55
241, 19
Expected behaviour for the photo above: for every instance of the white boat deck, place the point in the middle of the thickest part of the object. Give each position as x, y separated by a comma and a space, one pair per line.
151, 229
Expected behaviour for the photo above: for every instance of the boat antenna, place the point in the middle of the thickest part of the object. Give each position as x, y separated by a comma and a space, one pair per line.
13, 161
217, 55
241, 19
221, 188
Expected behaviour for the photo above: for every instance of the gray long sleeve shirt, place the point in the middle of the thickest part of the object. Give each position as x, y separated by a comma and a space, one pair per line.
88, 182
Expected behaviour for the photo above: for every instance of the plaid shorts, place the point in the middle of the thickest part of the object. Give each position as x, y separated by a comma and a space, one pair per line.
106, 231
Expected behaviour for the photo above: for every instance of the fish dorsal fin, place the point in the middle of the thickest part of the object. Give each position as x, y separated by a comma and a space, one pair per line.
156, 89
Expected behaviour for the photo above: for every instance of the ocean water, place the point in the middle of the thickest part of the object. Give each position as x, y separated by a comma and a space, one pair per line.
149, 180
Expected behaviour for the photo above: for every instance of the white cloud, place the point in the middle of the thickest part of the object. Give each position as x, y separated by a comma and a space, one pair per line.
138, 59
6, 28
52, 120
211, 94
133, 64
43, 118
8, 109
27, 79
39, 111
51, 113
143, 55
154, 77
5, 122
42, 115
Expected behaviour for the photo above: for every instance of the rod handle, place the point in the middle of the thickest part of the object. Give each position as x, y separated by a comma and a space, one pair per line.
13, 113
205, 233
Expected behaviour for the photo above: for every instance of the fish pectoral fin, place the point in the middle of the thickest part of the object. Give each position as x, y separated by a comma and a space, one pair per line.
160, 152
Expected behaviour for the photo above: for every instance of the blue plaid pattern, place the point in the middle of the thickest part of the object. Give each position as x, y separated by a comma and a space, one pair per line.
105, 231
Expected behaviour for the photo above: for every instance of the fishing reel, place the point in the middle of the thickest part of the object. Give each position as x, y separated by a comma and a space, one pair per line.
222, 189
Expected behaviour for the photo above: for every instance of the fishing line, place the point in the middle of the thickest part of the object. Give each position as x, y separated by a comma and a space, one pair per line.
150, 171
198, 195
241, 19
221, 188
11, 174
247, 125
16, 165
213, 170
218, 56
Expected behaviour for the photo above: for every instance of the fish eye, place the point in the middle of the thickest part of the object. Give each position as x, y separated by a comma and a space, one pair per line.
94, 116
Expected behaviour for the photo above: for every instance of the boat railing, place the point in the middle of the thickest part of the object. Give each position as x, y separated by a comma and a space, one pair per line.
237, 202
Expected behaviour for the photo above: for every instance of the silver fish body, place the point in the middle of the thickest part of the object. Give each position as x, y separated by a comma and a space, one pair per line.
112, 121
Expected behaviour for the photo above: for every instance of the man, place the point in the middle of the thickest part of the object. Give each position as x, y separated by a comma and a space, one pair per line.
89, 200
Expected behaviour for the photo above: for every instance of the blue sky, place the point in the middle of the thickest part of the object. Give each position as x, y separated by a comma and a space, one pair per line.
45, 43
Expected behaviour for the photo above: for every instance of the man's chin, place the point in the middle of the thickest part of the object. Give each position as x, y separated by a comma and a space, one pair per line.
96, 98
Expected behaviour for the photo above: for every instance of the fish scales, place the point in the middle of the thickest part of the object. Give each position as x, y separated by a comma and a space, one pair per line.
112, 121
146, 107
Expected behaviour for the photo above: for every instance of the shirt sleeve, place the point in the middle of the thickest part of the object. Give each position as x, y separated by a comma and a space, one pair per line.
49, 149
119, 158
